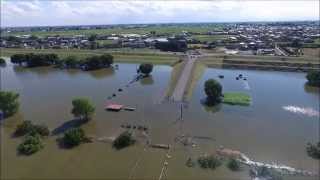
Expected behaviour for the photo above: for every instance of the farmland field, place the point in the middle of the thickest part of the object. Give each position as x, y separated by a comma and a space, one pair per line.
159, 29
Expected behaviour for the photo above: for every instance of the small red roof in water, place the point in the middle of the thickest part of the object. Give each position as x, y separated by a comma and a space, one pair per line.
114, 106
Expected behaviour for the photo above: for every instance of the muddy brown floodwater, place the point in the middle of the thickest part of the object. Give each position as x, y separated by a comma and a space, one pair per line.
264, 131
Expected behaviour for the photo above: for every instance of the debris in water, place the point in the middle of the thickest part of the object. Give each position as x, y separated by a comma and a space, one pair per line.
301, 110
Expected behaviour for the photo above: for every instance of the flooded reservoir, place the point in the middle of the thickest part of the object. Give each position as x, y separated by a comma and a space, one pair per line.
282, 118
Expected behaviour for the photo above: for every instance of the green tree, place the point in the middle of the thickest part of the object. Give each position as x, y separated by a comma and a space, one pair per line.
74, 137
82, 108
123, 140
9, 103
313, 78
213, 90
145, 69
30, 145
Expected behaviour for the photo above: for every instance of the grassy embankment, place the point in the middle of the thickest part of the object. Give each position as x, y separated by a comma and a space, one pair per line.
119, 56
262, 62
236, 98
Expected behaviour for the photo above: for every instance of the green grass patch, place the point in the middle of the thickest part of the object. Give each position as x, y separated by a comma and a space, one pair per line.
236, 98
209, 38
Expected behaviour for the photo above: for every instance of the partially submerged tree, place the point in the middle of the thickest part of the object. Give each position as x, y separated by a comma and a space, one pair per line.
213, 90
74, 137
9, 103
123, 140
145, 69
82, 108
313, 78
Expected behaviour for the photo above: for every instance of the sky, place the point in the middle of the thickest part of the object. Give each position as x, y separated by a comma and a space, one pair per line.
73, 12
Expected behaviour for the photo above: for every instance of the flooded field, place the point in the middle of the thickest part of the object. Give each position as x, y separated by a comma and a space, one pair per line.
281, 120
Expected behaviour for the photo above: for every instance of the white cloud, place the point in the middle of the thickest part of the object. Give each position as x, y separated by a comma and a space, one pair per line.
28, 13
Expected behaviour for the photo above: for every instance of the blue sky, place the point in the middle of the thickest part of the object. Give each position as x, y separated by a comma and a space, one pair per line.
59, 12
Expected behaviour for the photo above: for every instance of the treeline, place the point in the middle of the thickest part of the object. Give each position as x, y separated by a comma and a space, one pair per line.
89, 63
172, 45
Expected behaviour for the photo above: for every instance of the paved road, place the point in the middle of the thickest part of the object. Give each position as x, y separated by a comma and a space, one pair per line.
179, 90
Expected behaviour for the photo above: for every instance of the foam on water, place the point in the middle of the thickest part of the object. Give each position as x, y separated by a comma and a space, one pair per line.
301, 110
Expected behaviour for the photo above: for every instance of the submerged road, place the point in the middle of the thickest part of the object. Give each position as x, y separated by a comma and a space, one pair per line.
179, 90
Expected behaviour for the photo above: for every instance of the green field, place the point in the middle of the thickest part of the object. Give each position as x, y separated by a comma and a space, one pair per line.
174, 29
139, 56
209, 38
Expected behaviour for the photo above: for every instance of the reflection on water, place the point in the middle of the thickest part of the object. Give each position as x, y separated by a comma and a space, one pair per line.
311, 89
102, 73
147, 80
301, 110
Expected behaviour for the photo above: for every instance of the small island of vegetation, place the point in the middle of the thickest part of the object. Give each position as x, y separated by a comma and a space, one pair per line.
32, 137
236, 99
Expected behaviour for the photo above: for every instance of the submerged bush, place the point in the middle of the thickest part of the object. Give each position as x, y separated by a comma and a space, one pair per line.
24, 128
74, 137
123, 140
313, 78
27, 128
211, 162
233, 165
30, 145
313, 150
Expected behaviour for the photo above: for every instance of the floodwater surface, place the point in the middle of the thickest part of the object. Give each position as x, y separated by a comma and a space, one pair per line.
265, 131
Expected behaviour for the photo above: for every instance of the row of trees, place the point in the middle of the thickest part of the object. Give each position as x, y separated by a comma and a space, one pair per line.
34, 60
90, 63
